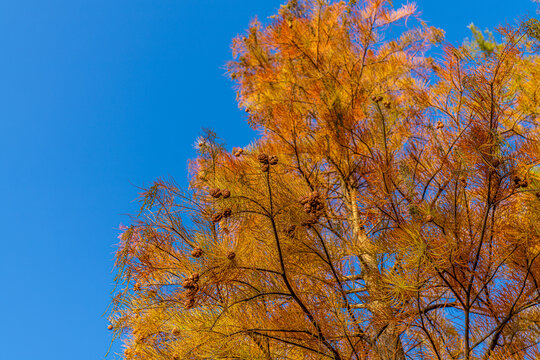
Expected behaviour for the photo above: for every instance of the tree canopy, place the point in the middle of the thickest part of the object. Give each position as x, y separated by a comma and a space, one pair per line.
389, 209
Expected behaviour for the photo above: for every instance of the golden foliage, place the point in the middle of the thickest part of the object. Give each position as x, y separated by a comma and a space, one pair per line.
390, 209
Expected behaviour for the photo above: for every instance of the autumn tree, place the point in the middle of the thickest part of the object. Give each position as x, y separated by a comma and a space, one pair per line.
389, 209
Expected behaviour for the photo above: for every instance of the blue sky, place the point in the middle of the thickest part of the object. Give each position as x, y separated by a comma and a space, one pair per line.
96, 98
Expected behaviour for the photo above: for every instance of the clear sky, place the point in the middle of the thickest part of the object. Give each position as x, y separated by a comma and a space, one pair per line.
98, 97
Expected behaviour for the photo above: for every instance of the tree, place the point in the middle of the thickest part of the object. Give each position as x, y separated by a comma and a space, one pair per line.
390, 209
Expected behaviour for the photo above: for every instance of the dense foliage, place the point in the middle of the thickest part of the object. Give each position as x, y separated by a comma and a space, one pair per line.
389, 210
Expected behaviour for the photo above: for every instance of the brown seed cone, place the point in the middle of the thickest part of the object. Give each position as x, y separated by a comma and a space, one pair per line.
214, 192
517, 179
538, 195
110, 327
263, 158
225, 193
188, 284
196, 252
439, 125
175, 331
217, 217
273, 160
194, 277
238, 151
231, 255
524, 183
265, 167
192, 290
189, 303
227, 212
496, 162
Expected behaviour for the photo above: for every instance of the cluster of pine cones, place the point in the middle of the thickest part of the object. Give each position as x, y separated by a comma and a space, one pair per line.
518, 182
227, 212
313, 206
266, 161
238, 151
216, 193
191, 284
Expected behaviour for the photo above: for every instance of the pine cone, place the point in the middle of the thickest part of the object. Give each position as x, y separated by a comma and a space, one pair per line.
231, 255
225, 193
192, 290
439, 125
238, 151
110, 327
265, 167
524, 183
189, 303
538, 195
273, 160
215, 192
196, 252
194, 277
227, 212
175, 331
188, 284
263, 158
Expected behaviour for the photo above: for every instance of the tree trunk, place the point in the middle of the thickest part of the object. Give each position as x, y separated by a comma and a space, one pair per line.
385, 336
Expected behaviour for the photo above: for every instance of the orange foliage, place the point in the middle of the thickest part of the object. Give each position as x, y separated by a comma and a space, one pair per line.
390, 209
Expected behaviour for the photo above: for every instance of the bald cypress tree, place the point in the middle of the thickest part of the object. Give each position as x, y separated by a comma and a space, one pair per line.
389, 210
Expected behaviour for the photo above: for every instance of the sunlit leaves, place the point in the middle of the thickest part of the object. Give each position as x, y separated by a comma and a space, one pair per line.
388, 210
